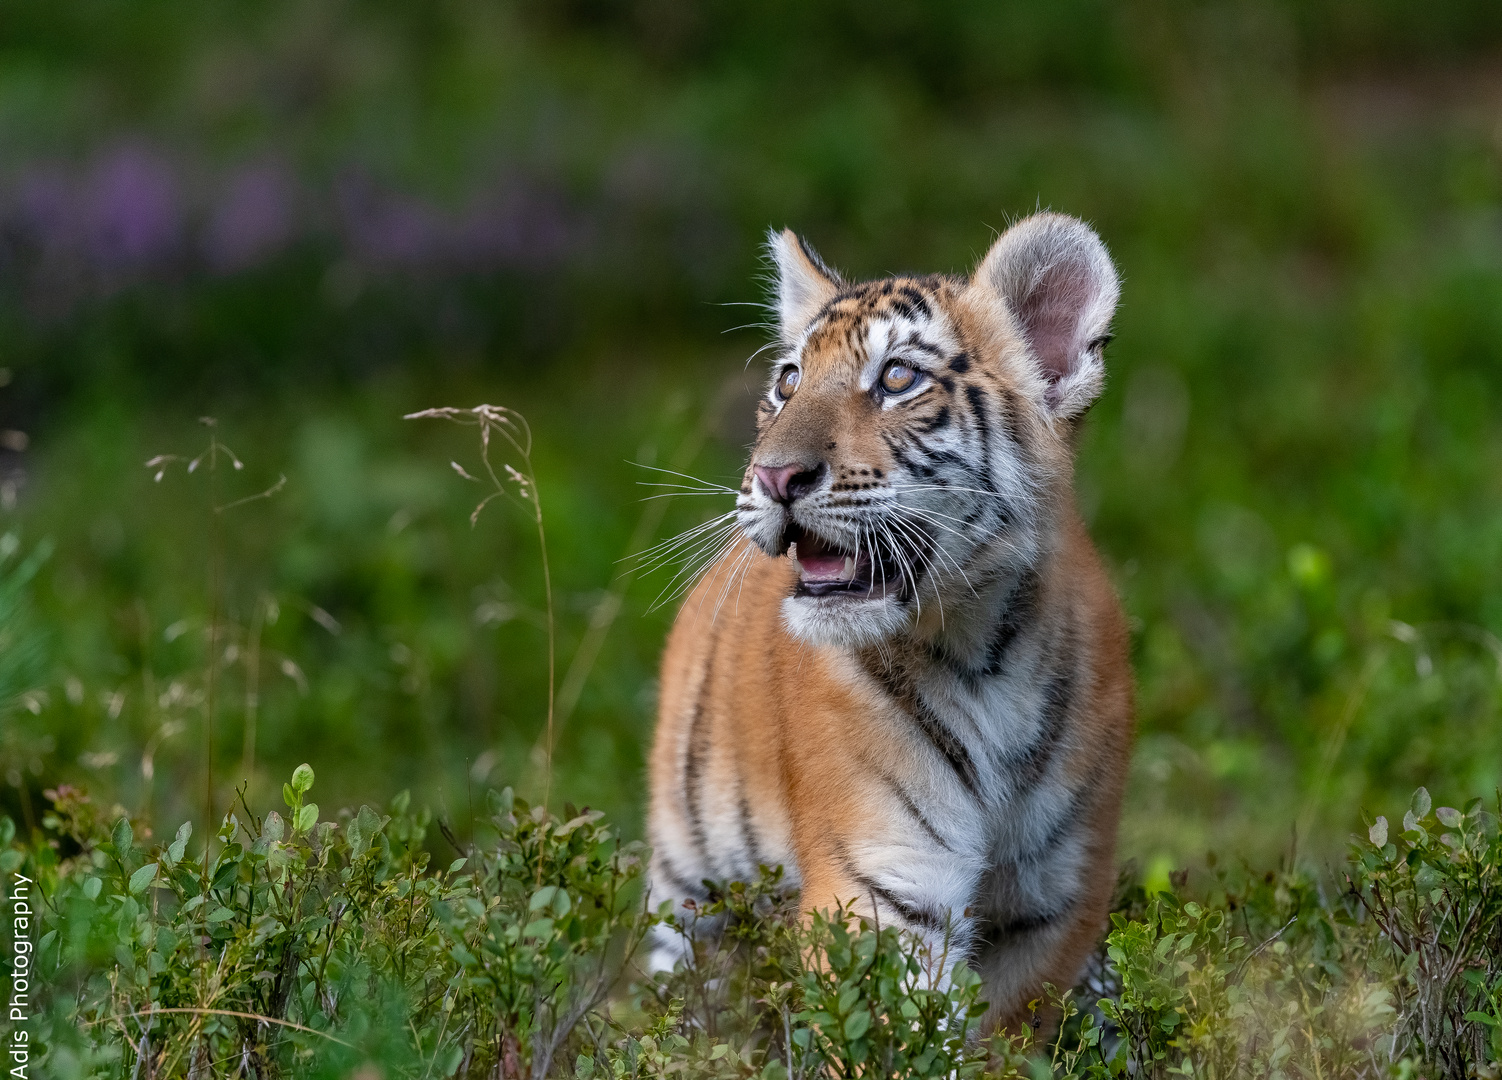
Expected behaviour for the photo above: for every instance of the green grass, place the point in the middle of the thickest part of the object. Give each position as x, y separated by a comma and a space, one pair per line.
1294, 473
316, 945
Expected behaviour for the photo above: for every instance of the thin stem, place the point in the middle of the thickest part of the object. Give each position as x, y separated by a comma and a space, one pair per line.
252, 690
216, 559
547, 585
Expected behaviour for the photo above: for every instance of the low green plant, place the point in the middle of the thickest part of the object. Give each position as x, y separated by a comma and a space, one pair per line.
1275, 975
780, 995
285, 945
291, 945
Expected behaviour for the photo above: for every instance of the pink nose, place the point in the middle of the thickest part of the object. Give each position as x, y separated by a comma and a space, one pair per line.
784, 483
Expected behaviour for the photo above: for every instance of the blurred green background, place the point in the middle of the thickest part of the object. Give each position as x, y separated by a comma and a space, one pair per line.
308, 218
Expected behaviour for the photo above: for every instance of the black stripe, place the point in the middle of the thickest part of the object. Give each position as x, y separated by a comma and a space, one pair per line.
1032, 763
912, 807
916, 916
933, 423
980, 405
1071, 819
813, 256
1009, 415
1020, 611
902, 458
942, 457
693, 764
917, 299
753, 849
994, 935
916, 709
665, 868
960, 363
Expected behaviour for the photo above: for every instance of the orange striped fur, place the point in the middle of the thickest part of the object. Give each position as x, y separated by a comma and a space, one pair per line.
906, 679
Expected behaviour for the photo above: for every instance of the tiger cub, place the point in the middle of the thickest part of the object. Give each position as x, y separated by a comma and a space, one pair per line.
908, 682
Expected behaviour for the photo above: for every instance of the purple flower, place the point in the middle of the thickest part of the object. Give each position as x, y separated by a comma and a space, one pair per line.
132, 208
253, 217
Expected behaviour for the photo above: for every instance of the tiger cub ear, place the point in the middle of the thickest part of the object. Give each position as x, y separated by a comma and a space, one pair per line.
804, 283
1060, 288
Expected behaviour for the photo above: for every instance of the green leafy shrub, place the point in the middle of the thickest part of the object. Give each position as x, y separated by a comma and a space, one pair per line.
1273, 975
777, 995
293, 945
296, 946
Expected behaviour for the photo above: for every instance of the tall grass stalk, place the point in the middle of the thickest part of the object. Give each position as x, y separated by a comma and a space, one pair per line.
208, 459
512, 427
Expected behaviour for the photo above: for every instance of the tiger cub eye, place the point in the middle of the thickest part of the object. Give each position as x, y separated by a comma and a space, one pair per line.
787, 382
897, 377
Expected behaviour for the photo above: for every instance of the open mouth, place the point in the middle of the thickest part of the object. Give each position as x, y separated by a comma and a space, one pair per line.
825, 569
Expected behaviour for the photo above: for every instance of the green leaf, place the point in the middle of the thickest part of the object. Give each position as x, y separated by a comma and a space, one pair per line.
307, 817
11, 860
857, 1024
179, 846
274, 828
371, 823
542, 898
302, 778
1482, 1018
450, 1060
1421, 803
457, 865
92, 887
7, 830
225, 876
289, 796
1449, 817
538, 928
221, 914
122, 838
142, 878
1377, 834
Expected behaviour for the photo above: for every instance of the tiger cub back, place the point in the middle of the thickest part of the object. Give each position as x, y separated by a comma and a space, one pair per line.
908, 681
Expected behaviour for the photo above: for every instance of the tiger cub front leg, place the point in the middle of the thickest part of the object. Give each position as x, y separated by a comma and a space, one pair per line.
898, 877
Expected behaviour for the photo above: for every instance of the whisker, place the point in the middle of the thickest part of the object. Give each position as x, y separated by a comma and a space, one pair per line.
672, 494
938, 550
736, 570
664, 552
949, 488
691, 572
769, 345
681, 475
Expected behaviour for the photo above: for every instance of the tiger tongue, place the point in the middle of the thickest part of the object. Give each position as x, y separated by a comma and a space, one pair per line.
819, 562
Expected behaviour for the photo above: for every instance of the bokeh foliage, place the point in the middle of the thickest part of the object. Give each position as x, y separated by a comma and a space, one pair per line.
308, 219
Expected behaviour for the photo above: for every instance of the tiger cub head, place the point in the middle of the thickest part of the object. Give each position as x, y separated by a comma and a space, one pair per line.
915, 443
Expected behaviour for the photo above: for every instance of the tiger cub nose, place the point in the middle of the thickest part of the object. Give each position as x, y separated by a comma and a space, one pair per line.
788, 483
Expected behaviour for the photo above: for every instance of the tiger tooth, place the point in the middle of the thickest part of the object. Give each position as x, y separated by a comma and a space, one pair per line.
849, 568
